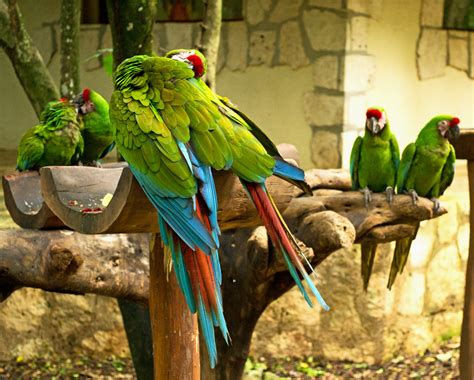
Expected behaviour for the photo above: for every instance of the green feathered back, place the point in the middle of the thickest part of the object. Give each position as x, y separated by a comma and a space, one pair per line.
56, 140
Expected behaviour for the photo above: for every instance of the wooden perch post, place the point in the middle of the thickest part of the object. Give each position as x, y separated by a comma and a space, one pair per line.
75, 198
465, 150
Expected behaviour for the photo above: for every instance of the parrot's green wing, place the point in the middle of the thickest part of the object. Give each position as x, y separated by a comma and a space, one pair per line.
394, 149
405, 165
447, 175
354, 163
30, 150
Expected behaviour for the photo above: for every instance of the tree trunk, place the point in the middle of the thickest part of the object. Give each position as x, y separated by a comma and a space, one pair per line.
25, 57
70, 47
210, 38
131, 23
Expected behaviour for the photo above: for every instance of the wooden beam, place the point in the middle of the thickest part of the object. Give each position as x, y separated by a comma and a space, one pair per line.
466, 360
174, 328
464, 145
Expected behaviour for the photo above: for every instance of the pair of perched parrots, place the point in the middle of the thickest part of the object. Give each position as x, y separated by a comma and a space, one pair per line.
426, 169
69, 132
172, 129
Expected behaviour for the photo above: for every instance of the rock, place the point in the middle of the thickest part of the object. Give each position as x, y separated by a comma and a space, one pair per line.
325, 149
422, 246
418, 336
462, 241
358, 35
432, 13
448, 226
35, 323
326, 30
323, 109
471, 55
359, 6
237, 46
262, 47
355, 108
431, 53
446, 325
291, 46
445, 281
359, 71
458, 53
412, 295
326, 72
335, 4
285, 10
256, 10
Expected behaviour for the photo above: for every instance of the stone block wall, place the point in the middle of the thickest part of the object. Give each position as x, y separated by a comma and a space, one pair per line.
438, 47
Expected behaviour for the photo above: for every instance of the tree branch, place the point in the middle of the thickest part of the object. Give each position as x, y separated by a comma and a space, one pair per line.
27, 62
210, 38
70, 30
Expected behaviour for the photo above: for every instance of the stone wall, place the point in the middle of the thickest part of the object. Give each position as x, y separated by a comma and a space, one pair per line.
438, 47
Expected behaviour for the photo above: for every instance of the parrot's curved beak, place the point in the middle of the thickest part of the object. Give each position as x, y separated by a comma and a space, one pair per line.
454, 132
373, 125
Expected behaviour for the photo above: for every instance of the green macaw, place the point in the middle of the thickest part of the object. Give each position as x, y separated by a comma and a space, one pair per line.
171, 136
255, 158
57, 140
98, 132
374, 164
426, 169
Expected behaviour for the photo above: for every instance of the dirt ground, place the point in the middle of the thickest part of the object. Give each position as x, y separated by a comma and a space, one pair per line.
439, 364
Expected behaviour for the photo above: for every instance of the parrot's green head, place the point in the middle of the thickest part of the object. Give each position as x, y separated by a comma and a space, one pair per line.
446, 125
89, 101
57, 112
192, 57
376, 120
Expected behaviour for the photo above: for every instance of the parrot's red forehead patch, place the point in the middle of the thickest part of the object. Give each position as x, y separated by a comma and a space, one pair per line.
63, 100
86, 94
198, 67
372, 112
454, 121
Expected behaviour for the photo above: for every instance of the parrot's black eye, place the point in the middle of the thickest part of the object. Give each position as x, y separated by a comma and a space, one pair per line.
443, 123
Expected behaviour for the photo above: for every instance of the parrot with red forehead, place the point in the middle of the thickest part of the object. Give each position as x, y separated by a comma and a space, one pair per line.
57, 140
426, 170
254, 159
98, 133
373, 167
171, 137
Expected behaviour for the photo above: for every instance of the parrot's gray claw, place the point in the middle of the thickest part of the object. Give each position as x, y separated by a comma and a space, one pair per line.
96, 164
437, 204
367, 196
390, 193
414, 196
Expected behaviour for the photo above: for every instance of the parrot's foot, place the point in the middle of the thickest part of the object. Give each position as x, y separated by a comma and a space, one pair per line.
437, 204
390, 193
96, 164
367, 196
414, 196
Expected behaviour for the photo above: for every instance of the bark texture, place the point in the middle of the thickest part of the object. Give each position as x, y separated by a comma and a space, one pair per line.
70, 47
210, 38
26, 60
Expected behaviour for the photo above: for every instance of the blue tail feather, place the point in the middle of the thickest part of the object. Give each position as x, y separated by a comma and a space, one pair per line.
288, 170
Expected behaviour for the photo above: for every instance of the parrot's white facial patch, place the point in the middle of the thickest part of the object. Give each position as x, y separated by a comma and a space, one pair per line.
443, 127
183, 57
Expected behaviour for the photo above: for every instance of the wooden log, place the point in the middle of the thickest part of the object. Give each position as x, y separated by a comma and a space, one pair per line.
25, 203
466, 362
174, 328
68, 262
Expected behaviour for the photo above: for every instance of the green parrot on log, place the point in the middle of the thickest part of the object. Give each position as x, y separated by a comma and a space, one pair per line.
373, 167
57, 140
426, 169
255, 158
98, 133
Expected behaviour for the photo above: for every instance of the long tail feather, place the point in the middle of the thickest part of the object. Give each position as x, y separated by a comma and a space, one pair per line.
400, 257
283, 239
291, 174
368, 251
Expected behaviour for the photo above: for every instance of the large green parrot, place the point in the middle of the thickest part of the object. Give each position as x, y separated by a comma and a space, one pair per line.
426, 169
171, 136
374, 164
255, 158
57, 140
98, 132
